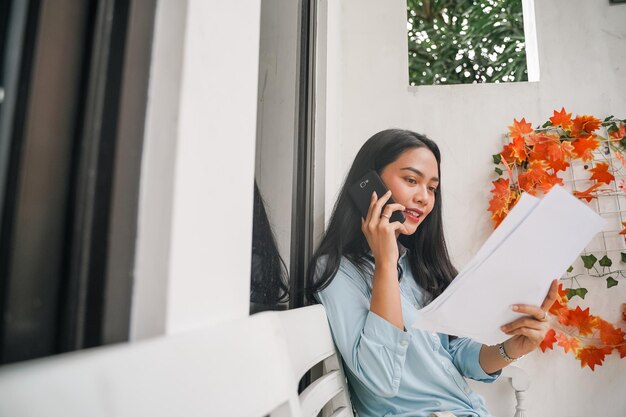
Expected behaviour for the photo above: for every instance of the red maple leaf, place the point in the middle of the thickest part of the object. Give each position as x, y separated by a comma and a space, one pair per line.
609, 334
558, 151
586, 195
601, 173
541, 138
591, 356
534, 138
585, 322
502, 201
539, 143
536, 174
558, 165
559, 307
584, 145
519, 129
619, 133
560, 311
623, 232
562, 119
550, 181
568, 344
552, 150
548, 341
585, 125
515, 151
562, 293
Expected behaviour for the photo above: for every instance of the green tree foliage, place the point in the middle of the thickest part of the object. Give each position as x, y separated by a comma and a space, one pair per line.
464, 42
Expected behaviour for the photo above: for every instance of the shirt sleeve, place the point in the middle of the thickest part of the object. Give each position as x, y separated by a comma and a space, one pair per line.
465, 354
372, 348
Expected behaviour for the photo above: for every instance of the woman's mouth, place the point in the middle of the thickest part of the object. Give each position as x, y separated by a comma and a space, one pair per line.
413, 214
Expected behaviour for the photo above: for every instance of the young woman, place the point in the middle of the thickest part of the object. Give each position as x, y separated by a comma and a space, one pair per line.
372, 275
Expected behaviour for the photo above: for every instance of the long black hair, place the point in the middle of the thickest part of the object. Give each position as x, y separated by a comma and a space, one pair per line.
428, 255
268, 278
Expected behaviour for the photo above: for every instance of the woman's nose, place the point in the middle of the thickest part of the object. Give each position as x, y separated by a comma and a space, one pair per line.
421, 195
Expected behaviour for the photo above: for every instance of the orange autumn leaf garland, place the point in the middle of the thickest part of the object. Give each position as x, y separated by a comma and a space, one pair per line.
532, 160
589, 338
538, 155
534, 157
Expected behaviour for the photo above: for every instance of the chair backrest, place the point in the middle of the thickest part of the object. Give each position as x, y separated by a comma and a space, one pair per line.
233, 369
310, 342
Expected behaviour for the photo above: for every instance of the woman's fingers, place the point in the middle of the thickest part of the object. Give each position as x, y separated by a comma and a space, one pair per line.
551, 296
379, 214
373, 200
534, 311
390, 208
522, 322
398, 226
378, 210
534, 325
376, 205
536, 336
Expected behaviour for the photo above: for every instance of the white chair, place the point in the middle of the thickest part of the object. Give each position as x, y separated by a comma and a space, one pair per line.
233, 369
520, 381
310, 342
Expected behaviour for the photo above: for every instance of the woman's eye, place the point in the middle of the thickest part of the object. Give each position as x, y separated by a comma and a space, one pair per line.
432, 189
411, 180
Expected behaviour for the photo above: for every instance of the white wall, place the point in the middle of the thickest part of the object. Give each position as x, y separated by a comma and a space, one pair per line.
582, 56
195, 215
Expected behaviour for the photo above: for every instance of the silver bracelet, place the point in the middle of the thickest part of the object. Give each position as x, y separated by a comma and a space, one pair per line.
505, 356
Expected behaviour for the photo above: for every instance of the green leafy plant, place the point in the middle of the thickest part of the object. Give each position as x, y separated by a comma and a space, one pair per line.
464, 42
591, 263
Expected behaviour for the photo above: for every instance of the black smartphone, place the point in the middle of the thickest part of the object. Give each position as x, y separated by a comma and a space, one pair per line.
361, 193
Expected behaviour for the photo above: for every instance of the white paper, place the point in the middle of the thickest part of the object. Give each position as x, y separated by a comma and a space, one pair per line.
536, 243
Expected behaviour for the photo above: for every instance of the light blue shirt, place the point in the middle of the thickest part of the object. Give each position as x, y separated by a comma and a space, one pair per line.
393, 372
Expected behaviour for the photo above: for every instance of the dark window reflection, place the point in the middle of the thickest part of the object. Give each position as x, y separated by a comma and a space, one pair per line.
269, 278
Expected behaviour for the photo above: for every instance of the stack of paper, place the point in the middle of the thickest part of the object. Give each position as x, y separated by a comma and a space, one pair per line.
536, 243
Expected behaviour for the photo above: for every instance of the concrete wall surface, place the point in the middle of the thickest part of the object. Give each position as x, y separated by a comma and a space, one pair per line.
195, 215
582, 58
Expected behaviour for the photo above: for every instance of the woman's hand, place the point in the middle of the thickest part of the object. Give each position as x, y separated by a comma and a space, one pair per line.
529, 331
381, 235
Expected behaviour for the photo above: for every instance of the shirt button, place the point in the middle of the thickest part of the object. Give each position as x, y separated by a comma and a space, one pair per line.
467, 390
404, 343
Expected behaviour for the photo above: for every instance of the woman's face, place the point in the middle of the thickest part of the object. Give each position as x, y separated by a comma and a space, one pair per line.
413, 179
